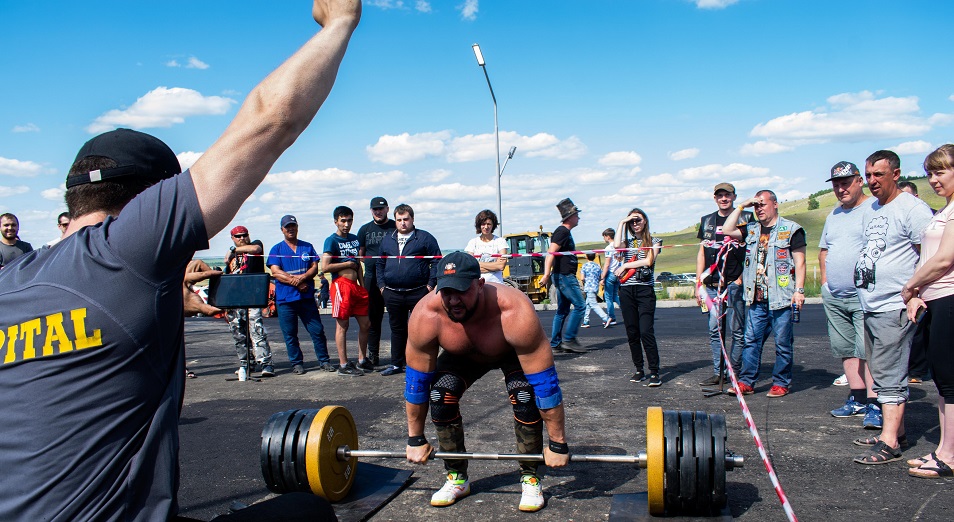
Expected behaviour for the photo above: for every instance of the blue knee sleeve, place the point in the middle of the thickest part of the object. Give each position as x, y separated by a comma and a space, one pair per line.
546, 386
417, 385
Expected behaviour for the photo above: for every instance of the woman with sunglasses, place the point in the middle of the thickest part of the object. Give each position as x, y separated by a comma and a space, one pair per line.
636, 293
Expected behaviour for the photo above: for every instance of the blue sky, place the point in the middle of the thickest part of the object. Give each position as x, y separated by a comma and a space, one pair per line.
616, 104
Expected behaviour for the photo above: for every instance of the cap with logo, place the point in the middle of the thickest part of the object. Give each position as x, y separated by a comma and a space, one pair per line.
288, 220
844, 169
457, 271
728, 187
136, 154
378, 202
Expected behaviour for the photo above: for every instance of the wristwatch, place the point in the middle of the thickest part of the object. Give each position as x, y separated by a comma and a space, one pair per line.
232, 249
800, 290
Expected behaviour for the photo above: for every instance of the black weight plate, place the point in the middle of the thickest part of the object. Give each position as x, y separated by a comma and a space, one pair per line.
300, 464
289, 447
719, 434
687, 461
704, 464
671, 432
277, 446
272, 437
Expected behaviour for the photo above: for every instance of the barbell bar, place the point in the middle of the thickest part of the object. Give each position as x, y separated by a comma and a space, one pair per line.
685, 457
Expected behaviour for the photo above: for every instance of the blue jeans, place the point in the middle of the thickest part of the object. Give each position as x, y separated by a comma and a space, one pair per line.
611, 294
591, 304
307, 310
734, 329
759, 324
568, 292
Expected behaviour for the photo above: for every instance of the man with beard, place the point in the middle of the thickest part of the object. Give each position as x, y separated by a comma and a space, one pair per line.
480, 327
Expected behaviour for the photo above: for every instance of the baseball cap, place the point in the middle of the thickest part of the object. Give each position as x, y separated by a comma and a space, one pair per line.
135, 153
239, 230
378, 202
844, 169
288, 220
457, 270
728, 187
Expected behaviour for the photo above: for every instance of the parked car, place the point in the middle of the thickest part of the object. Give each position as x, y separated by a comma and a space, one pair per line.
665, 277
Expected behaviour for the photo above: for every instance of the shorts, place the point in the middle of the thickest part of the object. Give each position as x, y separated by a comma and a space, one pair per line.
846, 325
888, 337
348, 299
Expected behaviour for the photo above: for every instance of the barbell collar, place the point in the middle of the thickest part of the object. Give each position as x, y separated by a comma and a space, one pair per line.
345, 453
733, 461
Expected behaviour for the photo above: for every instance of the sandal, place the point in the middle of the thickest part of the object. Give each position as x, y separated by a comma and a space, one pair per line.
190, 374
873, 441
941, 470
881, 453
917, 462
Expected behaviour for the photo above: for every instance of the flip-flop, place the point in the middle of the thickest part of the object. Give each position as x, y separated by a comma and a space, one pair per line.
872, 441
939, 471
881, 453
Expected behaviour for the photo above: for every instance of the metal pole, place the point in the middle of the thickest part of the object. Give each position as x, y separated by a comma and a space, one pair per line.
497, 155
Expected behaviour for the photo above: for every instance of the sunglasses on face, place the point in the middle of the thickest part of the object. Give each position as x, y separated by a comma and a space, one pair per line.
239, 236
62, 224
636, 221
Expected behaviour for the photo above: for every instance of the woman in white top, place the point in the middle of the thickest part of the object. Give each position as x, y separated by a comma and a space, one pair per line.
932, 288
486, 244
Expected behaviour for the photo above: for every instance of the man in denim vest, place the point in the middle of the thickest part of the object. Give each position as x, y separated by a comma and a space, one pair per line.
774, 279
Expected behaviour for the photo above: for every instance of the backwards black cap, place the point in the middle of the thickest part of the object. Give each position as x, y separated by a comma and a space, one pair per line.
135, 153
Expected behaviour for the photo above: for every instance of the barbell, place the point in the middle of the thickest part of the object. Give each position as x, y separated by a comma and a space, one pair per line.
685, 459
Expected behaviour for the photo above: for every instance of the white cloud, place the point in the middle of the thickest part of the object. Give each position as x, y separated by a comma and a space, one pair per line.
423, 6
684, 154
624, 158
29, 127
13, 191
405, 147
851, 117
718, 172
188, 158
173, 63
452, 192
195, 63
54, 194
951, 97
913, 147
386, 4
714, 4
161, 107
437, 175
20, 169
468, 10
762, 148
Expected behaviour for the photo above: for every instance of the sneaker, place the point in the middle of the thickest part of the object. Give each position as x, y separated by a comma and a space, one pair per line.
915, 380
532, 497
350, 370
584, 326
391, 370
268, 371
365, 366
777, 391
654, 381
612, 322
456, 487
872, 420
851, 407
573, 346
607, 324
638, 376
711, 381
373, 357
744, 389
328, 367
841, 381
558, 349
298, 369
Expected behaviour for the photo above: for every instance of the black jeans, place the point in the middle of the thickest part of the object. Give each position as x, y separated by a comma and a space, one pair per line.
375, 315
400, 304
638, 304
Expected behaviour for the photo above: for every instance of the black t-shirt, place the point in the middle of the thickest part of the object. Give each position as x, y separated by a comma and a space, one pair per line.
251, 263
369, 237
564, 264
710, 232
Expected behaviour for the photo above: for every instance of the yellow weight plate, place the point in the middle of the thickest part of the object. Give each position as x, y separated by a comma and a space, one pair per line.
655, 461
329, 477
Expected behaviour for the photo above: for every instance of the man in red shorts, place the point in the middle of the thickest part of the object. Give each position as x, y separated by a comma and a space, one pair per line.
348, 297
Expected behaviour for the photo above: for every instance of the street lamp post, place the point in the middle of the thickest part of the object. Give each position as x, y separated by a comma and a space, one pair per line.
482, 64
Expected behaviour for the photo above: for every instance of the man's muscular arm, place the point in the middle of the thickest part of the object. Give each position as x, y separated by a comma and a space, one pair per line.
421, 353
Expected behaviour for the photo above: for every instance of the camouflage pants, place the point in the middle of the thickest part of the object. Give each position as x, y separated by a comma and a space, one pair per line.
238, 324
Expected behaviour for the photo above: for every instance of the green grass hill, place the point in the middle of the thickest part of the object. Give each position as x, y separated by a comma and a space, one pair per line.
683, 259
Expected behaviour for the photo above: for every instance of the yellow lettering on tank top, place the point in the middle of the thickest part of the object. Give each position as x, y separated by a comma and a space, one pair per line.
11, 344
56, 333
79, 329
3, 339
30, 329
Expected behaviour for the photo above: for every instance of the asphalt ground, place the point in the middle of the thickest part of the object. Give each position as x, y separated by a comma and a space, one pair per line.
811, 451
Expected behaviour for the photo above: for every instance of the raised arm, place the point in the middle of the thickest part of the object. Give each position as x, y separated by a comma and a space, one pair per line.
273, 115
731, 226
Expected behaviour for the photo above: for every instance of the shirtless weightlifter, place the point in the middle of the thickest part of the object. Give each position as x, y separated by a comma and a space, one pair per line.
481, 326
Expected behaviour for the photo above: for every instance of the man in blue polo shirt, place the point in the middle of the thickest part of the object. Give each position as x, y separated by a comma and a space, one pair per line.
294, 265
